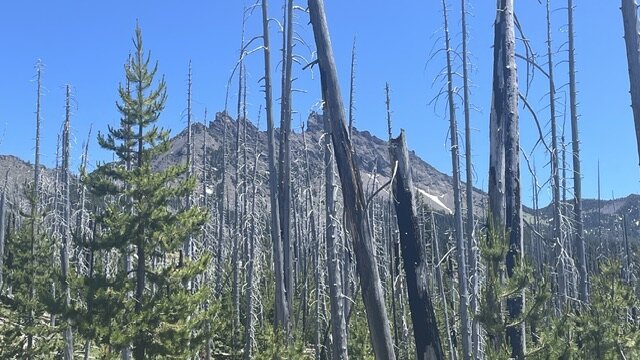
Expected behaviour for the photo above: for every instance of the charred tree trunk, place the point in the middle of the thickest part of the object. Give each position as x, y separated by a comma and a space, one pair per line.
505, 139
187, 246
352, 192
555, 166
632, 40
251, 258
221, 210
414, 256
583, 292
472, 254
338, 324
457, 198
282, 309
35, 204
438, 272
285, 154
66, 234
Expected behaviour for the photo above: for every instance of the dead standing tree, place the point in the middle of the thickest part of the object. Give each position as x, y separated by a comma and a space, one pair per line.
414, 256
583, 292
284, 160
66, 235
352, 192
457, 197
282, 310
472, 255
632, 41
338, 324
555, 166
504, 169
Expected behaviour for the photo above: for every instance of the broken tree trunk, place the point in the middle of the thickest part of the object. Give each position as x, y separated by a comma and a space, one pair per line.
352, 192
414, 256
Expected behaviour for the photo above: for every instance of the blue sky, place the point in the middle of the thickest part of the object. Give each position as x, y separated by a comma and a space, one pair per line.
86, 43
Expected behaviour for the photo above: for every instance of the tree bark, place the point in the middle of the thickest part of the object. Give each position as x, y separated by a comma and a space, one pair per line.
352, 192
414, 256
632, 41
506, 140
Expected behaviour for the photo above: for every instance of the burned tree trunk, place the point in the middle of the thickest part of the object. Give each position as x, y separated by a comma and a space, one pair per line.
66, 234
284, 161
457, 198
282, 310
632, 40
338, 324
249, 336
188, 242
221, 209
583, 292
470, 234
414, 256
555, 165
505, 142
352, 192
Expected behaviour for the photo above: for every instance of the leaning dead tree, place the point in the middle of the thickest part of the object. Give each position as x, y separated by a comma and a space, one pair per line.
414, 255
583, 292
352, 191
282, 310
504, 170
632, 40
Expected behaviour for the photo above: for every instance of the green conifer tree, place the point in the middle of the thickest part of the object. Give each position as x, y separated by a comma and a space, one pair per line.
146, 307
25, 329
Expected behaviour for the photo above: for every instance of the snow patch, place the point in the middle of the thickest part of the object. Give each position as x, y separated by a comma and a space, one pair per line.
435, 199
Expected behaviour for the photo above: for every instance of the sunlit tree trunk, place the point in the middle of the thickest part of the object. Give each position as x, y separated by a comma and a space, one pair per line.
352, 192
583, 281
